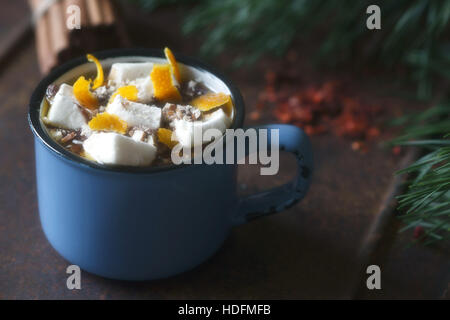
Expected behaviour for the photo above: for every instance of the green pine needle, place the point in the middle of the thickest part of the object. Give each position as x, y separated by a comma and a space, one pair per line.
426, 202
414, 34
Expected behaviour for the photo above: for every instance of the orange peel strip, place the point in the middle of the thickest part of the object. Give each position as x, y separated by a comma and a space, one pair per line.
165, 136
98, 81
210, 101
173, 63
164, 88
108, 122
81, 91
127, 92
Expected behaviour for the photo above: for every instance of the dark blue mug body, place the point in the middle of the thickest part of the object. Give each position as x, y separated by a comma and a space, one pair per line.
147, 223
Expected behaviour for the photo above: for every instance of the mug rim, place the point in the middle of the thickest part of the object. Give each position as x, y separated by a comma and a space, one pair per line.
39, 93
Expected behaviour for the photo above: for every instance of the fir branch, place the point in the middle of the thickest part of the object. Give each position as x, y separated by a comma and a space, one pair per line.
413, 33
426, 203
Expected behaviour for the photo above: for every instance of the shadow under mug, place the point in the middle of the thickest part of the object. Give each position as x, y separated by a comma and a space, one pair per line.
134, 223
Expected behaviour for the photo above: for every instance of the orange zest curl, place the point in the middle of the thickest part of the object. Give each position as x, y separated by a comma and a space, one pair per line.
163, 84
212, 100
81, 91
98, 81
165, 136
108, 122
128, 92
173, 64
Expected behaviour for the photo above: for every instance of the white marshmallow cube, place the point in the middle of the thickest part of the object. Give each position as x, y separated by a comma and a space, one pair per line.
145, 89
114, 148
135, 114
122, 73
184, 130
64, 111
138, 135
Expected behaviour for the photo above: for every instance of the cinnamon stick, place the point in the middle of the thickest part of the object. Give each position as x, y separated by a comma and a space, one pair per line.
94, 12
45, 56
108, 12
59, 33
56, 43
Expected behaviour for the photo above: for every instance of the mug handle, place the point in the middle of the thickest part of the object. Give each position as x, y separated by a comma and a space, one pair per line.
295, 141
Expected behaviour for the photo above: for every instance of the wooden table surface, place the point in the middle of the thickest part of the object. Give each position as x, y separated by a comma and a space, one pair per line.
311, 251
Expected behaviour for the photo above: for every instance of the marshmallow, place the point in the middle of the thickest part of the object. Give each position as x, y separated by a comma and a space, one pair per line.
138, 135
124, 72
64, 111
135, 114
184, 130
114, 148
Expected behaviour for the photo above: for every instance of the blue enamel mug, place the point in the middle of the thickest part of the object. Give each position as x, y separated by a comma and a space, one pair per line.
135, 223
